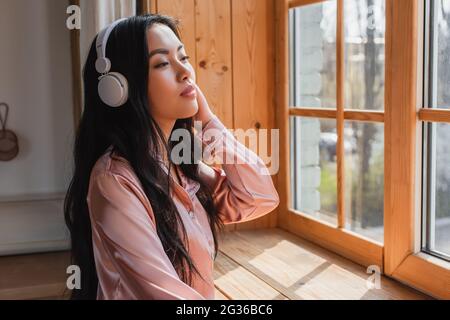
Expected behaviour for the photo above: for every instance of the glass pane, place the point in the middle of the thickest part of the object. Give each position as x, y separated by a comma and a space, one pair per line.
442, 227
364, 25
312, 33
314, 170
443, 57
437, 170
364, 178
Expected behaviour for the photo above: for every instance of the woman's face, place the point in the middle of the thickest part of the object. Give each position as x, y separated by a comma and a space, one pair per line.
170, 72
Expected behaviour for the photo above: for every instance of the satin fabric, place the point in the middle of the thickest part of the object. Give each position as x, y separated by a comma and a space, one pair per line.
130, 260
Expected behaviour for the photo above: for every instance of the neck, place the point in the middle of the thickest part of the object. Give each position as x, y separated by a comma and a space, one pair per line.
166, 127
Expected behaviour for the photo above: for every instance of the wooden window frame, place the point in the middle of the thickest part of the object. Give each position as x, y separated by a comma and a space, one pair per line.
400, 256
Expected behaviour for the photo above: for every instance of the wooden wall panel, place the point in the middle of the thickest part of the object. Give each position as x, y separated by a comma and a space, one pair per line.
231, 44
214, 76
253, 26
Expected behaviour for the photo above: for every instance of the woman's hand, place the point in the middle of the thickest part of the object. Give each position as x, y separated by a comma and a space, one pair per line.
204, 113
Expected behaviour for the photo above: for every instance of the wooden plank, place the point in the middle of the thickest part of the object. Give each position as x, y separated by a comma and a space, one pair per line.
302, 270
239, 284
253, 69
364, 115
214, 67
340, 102
324, 113
353, 115
300, 3
147, 6
51, 291
280, 275
400, 131
355, 247
282, 108
219, 295
426, 273
434, 115
34, 276
184, 11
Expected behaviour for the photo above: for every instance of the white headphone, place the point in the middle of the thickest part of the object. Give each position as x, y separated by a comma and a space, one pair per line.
112, 86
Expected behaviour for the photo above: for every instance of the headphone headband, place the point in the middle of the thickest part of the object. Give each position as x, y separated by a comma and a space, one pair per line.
103, 64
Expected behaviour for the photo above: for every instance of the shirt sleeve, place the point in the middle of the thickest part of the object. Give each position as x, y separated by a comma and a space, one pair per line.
242, 188
128, 233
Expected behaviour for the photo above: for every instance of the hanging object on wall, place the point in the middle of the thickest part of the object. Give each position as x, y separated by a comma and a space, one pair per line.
9, 145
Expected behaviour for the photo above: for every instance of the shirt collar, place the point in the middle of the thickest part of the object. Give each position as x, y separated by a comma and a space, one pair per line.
188, 187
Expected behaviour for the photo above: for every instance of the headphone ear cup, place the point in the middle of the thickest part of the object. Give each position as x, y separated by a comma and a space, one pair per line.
102, 65
113, 89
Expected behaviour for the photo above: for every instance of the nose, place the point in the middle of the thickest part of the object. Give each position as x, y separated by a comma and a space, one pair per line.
184, 73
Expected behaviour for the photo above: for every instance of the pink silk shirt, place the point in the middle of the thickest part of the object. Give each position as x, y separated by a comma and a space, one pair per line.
130, 260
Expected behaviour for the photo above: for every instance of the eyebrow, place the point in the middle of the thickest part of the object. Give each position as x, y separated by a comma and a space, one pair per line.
163, 51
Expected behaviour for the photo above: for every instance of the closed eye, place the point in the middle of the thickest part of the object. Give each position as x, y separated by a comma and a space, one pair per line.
185, 58
161, 65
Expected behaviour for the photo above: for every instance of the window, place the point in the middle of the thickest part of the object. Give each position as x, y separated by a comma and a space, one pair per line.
336, 64
364, 161
436, 149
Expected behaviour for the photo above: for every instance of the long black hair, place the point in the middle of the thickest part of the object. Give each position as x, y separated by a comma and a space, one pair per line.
135, 136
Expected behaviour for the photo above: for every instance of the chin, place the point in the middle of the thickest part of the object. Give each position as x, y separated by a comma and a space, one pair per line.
189, 111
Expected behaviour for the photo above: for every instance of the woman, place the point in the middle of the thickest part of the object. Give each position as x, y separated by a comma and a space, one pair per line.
143, 227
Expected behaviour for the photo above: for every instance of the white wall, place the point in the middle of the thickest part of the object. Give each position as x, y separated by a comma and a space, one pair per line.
35, 80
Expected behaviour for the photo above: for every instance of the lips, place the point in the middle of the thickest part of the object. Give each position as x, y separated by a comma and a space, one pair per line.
189, 90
